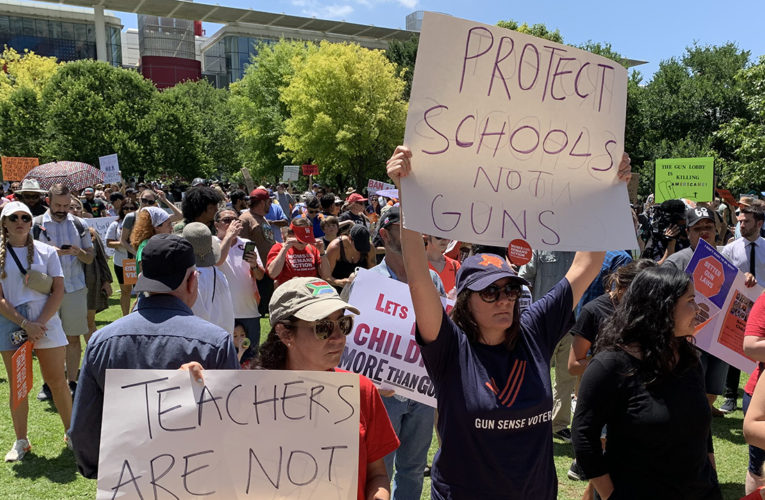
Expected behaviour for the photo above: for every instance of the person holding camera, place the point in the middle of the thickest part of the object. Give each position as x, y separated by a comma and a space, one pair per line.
31, 312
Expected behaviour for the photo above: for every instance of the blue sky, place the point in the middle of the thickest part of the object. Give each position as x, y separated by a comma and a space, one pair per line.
650, 30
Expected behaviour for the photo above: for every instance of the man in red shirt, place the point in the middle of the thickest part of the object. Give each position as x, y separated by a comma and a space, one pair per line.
299, 255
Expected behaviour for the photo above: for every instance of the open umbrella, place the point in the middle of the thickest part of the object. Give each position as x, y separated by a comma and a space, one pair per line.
73, 174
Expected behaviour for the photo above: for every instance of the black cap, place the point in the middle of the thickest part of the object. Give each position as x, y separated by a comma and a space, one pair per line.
392, 216
694, 215
164, 262
360, 238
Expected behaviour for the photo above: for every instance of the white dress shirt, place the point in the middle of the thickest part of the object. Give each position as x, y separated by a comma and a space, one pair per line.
738, 253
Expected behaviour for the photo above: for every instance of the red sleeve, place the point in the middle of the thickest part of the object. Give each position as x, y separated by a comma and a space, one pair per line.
316, 257
381, 439
273, 252
755, 324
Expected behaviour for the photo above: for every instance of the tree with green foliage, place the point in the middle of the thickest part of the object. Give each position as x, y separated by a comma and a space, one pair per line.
26, 70
94, 109
744, 136
680, 110
22, 124
346, 113
259, 111
404, 55
537, 30
193, 132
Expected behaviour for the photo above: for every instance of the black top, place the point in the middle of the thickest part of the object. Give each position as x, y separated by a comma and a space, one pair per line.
357, 219
658, 438
593, 314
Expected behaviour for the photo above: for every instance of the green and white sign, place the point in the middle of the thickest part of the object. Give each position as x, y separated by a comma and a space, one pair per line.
690, 178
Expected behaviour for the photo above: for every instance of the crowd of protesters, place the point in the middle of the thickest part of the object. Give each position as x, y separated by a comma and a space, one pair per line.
630, 389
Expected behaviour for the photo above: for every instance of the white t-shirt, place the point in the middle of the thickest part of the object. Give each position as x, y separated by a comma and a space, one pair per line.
114, 233
46, 261
218, 308
243, 287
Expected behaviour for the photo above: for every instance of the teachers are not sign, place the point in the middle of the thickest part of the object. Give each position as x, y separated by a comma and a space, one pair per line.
514, 137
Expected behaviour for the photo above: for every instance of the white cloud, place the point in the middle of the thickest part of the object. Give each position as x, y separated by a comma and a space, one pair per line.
409, 4
317, 9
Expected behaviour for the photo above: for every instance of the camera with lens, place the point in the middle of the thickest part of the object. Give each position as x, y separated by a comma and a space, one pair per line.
669, 213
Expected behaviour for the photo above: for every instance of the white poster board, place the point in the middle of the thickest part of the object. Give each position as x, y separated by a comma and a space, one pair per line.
110, 165
374, 186
382, 345
244, 434
513, 137
291, 173
724, 305
101, 224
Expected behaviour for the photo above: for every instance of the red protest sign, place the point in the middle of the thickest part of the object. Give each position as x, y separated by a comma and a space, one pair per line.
519, 252
21, 374
709, 277
310, 169
727, 196
16, 167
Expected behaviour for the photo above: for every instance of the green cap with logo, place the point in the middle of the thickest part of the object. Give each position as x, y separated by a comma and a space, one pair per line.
309, 299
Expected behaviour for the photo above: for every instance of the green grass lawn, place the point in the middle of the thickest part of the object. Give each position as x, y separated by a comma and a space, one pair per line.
49, 472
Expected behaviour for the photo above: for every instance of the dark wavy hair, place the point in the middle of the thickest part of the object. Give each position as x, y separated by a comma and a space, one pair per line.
623, 276
463, 318
272, 353
645, 318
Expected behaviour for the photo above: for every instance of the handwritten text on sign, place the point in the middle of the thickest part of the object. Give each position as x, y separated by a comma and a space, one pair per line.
245, 434
382, 344
515, 137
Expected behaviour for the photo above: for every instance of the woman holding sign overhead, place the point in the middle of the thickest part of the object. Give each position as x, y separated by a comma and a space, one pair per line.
491, 367
308, 329
29, 313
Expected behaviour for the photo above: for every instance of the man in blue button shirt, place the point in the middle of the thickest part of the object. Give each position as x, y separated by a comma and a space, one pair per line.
162, 334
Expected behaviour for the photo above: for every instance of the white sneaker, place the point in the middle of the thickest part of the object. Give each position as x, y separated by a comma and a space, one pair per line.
20, 448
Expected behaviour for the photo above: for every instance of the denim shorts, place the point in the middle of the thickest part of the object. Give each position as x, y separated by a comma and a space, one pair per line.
7, 327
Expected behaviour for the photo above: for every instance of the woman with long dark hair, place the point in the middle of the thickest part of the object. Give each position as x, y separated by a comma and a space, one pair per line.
646, 384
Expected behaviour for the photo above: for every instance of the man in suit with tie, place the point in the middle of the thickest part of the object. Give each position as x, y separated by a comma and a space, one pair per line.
748, 254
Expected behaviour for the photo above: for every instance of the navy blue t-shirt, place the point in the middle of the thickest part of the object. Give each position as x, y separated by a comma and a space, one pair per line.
495, 406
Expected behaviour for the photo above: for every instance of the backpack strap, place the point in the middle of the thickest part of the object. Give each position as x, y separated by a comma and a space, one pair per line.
81, 229
37, 228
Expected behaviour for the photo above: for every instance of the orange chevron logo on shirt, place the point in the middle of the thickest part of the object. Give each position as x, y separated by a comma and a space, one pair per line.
490, 260
512, 387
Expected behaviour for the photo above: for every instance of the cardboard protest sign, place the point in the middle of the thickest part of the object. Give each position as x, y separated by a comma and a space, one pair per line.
513, 137
21, 375
374, 186
724, 304
244, 434
690, 178
310, 170
129, 271
101, 225
727, 197
248, 180
110, 165
291, 173
382, 345
16, 167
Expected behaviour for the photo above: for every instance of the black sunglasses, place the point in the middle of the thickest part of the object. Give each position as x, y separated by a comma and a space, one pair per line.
24, 218
147, 201
228, 220
491, 293
323, 328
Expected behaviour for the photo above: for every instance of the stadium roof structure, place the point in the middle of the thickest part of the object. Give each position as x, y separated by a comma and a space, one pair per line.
220, 14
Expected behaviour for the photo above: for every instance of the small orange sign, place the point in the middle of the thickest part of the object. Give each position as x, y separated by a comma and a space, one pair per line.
708, 277
21, 375
519, 252
129, 275
16, 167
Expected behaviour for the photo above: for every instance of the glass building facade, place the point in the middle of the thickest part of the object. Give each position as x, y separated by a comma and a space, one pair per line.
66, 41
231, 55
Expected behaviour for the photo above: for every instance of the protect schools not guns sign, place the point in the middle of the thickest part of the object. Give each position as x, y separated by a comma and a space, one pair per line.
515, 137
